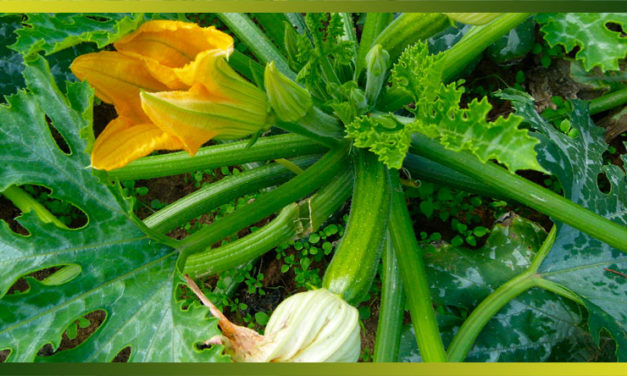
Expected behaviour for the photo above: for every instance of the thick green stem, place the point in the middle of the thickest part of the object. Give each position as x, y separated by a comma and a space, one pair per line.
226, 190
426, 169
212, 261
374, 25
246, 30
231, 154
27, 203
267, 203
414, 276
477, 40
527, 193
409, 28
272, 24
599, 104
391, 309
297, 21
295, 220
608, 101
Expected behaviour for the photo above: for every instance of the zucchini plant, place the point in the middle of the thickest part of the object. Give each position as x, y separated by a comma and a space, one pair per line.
324, 110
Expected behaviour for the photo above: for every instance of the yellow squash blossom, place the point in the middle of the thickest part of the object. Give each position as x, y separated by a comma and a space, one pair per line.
172, 89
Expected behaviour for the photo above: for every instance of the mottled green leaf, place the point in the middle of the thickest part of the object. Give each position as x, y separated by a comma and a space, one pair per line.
598, 44
10, 61
586, 266
438, 115
463, 277
536, 326
123, 272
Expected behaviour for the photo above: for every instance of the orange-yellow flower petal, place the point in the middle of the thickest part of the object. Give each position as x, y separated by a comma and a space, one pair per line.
196, 116
218, 78
167, 46
122, 141
117, 79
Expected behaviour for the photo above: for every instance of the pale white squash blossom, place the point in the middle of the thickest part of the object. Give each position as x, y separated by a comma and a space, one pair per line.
311, 326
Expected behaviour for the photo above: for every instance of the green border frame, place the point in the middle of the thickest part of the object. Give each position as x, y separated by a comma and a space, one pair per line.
359, 369
313, 6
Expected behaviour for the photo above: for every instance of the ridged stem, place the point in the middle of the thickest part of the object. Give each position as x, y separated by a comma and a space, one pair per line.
265, 204
477, 40
294, 220
414, 276
525, 192
246, 30
231, 154
426, 169
391, 308
219, 193
409, 28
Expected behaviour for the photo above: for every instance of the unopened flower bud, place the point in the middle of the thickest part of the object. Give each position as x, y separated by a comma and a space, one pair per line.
289, 101
377, 63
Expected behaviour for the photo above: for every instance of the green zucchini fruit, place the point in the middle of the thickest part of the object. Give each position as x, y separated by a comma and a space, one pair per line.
354, 264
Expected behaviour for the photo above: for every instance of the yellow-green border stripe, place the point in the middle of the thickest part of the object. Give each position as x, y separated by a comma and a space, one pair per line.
313, 6
343, 369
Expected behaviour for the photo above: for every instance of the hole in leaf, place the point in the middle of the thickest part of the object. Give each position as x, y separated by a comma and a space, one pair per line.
4, 355
77, 332
58, 137
200, 346
51, 276
70, 215
603, 183
99, 18
612, 26
123, 356
8, 213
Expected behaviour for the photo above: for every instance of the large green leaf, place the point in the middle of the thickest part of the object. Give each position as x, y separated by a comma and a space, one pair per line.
598, 44
439, 115
54, 32
536, 326
586, 266
123, 272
